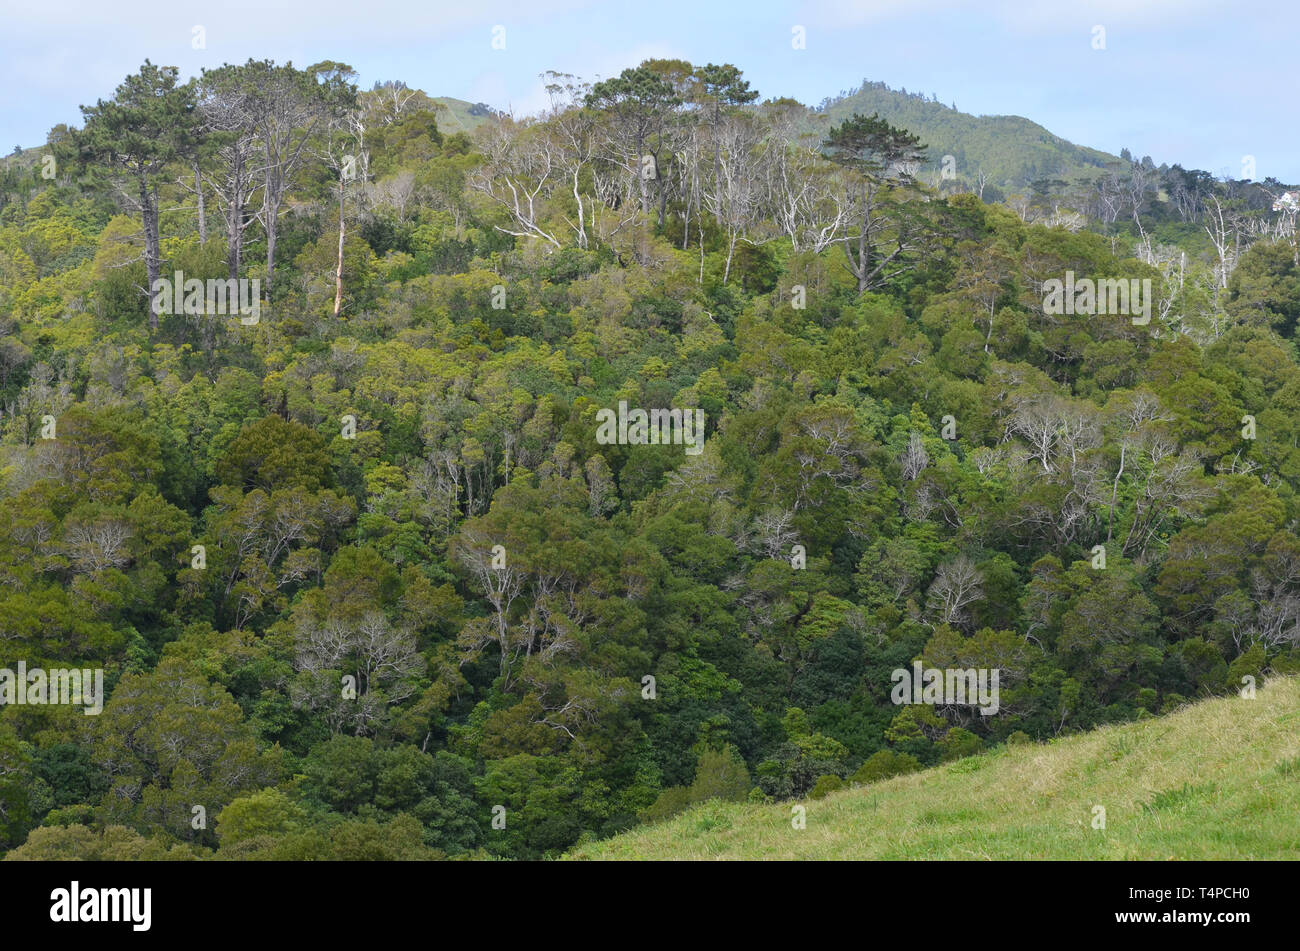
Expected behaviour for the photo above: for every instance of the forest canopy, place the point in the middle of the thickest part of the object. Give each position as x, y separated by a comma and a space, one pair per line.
365, 579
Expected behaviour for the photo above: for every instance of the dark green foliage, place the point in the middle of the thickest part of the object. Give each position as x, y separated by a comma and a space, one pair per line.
374, 586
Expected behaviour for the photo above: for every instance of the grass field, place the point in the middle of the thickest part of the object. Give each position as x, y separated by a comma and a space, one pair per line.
455, 116
1217, 780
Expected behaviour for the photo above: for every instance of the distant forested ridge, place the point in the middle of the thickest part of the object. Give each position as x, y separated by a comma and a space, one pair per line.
1010, 151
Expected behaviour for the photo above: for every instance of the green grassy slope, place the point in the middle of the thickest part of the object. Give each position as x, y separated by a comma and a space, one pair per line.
1216, 780
456, 115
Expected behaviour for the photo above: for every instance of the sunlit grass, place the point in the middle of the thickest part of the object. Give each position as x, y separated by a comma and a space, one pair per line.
1217, 780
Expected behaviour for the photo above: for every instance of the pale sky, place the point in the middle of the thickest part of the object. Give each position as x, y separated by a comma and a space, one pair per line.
1201, 82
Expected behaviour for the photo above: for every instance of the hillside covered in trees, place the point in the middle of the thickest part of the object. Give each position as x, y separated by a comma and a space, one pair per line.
365, 578
1008, 153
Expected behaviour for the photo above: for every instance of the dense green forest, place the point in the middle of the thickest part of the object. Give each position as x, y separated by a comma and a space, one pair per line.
365, 581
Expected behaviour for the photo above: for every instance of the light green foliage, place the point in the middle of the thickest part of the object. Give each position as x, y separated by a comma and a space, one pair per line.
378, 586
